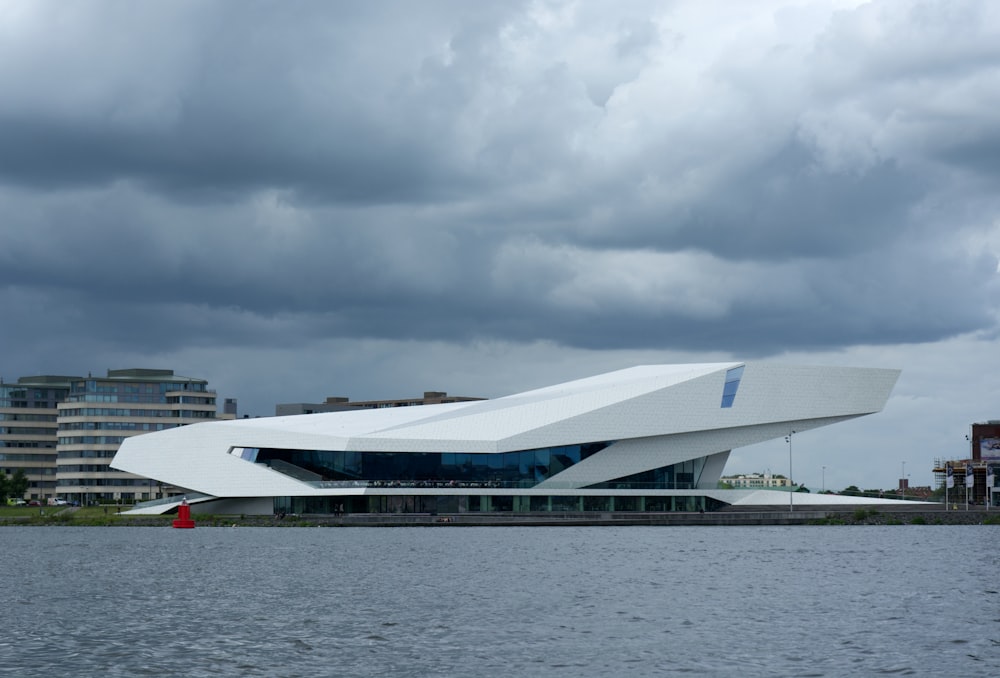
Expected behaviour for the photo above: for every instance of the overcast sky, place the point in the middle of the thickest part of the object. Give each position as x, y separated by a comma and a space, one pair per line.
296, 200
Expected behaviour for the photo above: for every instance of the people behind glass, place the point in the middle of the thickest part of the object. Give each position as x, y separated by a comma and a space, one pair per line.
437, 484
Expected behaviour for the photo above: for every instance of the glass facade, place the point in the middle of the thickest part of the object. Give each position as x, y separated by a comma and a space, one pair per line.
30, 397
120, 389
48, 458
115, 412
524, 468
520, 469
680, 476
498, 503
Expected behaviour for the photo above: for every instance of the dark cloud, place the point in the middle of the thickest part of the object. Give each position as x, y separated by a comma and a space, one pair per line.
249, 96
244, 186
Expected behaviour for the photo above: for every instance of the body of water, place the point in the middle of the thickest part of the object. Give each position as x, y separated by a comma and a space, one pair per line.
455, 601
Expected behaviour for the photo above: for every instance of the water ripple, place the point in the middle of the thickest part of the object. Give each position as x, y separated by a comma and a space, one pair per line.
637, 601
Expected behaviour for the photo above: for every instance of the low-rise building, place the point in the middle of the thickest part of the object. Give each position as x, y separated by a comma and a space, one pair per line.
757, 481
974, 478
342, 404
970, 479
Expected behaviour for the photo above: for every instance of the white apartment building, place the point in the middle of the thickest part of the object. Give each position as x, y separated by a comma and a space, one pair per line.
757, 481
99, 413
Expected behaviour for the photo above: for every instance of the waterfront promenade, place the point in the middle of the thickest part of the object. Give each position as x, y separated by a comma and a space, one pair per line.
852, 515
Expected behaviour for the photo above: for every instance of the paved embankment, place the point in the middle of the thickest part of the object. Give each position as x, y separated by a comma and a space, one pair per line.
836, 515
852, 515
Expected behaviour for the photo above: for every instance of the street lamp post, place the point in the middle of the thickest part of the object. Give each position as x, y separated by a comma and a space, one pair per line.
823, 491
791, 492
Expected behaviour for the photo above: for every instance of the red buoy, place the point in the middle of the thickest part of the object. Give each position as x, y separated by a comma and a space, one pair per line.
184, 516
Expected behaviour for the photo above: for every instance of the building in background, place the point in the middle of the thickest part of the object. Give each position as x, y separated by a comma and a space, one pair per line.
28, 430
342, 404
99, 413
985, 441
757, 481
971, 477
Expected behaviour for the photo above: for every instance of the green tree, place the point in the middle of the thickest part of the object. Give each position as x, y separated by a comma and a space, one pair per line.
803, 488
18, 484
4, 487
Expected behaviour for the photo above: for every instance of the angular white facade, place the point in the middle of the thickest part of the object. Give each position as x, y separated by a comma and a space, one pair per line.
645, 432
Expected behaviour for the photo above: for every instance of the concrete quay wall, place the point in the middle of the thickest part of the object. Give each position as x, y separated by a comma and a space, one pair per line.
853, 515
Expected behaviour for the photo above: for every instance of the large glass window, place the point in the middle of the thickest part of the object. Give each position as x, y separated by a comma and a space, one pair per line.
680, 476
432, 505
523, 468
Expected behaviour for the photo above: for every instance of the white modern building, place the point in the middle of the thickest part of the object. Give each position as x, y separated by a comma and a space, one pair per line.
648, 438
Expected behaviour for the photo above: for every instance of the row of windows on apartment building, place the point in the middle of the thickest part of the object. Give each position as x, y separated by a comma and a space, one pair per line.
127, 402
62, 454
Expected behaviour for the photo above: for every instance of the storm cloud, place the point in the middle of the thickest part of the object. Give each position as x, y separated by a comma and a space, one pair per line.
238, 187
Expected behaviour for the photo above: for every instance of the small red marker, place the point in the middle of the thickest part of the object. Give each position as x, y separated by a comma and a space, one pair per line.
184, 515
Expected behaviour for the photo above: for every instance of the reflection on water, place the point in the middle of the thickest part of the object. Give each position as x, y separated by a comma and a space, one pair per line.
821, 601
